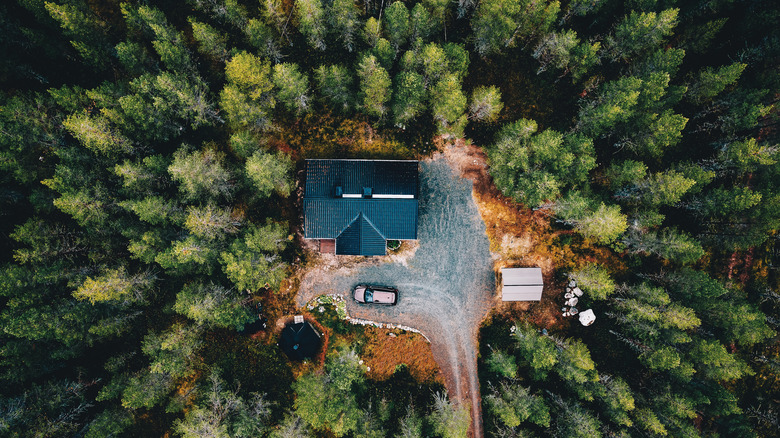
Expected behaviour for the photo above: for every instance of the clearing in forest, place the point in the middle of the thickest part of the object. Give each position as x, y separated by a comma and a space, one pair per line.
446, 282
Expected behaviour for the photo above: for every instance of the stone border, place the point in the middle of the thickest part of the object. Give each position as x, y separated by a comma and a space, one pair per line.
338, 301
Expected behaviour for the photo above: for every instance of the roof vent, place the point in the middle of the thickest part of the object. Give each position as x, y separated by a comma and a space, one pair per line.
339, 191
367, 192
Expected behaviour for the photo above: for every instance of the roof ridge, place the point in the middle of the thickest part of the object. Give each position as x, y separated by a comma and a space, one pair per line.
365, 218
349, 224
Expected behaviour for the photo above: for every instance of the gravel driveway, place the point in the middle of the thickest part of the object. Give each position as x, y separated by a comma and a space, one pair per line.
445, 287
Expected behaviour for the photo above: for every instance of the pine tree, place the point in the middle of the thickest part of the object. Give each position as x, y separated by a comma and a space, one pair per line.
448, 104
253, 261
210, 222
262, 37
328, 401
97, 134
311, 22
173, 352
598, 221
485, 104
396, 24
343, 19
201, 174
168, 43
374, 86
85, 29
115, 285
641, 31
712, 82
493, 25
247, 97
594, 280
668, 244
514, 404
213, 304
372, 31
270, 173
292, 87
421, 23
498, 24
534, 167
449, 420
409, 97
502, 364
335, 84
210, 42
554, 50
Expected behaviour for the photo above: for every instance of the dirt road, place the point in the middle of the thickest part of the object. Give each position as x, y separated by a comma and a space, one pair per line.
446, 286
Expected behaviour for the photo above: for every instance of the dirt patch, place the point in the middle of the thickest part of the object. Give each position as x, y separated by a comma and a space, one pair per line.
519, 237
522, 237
387, 349
326, 135
517, 234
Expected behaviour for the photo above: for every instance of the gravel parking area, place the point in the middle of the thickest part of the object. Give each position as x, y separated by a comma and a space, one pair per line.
446, 286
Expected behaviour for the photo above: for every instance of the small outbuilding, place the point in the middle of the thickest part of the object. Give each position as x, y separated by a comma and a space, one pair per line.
299, 340
521, 284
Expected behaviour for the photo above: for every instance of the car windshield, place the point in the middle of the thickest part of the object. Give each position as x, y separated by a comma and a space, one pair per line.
369, 296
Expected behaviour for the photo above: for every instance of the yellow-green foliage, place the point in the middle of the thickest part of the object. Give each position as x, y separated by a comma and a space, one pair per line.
113, 285
327, 136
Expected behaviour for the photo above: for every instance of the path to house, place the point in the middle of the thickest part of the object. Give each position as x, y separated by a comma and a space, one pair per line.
446, 286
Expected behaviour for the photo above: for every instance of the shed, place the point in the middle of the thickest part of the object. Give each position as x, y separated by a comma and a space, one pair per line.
521, 284
300, 340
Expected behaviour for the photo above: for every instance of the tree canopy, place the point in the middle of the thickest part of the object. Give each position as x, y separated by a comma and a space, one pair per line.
150, 178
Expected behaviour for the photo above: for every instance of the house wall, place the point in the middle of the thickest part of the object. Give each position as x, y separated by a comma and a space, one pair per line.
328, 246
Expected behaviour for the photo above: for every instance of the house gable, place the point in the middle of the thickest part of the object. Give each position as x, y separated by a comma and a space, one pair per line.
361, 237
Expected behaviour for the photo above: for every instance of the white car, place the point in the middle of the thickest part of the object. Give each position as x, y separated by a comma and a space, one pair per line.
368, 294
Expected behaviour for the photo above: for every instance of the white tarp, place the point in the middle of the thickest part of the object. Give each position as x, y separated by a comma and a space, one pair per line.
587, 317
521, 284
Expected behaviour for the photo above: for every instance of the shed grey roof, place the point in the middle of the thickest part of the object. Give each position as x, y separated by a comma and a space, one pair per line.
517, 276
522, 293
360, 203
521, 284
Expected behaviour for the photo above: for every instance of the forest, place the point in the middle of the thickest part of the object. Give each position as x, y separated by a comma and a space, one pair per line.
150, 162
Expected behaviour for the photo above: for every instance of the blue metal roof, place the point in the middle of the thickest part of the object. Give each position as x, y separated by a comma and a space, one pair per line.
360, 223
361, 238
327, 218
385, 177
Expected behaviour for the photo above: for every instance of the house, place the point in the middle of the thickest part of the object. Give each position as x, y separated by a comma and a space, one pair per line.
521, 284
353, 207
